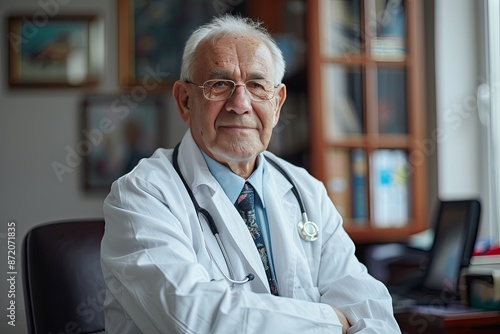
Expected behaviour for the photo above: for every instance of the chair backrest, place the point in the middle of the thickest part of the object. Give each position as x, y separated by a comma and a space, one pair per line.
63, 284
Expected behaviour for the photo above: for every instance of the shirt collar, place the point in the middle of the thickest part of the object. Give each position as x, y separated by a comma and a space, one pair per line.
231, 183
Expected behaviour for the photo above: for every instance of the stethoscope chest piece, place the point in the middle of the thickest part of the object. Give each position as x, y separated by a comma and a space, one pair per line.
308, 230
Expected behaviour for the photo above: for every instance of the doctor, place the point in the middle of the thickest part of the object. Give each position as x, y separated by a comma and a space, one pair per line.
165, 270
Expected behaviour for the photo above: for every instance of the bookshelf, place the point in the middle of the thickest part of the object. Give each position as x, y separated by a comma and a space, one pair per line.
367, 116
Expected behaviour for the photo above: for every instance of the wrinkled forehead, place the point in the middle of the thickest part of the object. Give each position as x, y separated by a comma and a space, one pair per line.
231, 56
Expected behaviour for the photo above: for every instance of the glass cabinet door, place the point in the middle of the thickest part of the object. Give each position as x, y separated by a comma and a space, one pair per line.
387, 26
391, 105
340, 27
343, 101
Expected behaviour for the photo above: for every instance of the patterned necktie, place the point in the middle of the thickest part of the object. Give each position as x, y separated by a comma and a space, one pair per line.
246, 208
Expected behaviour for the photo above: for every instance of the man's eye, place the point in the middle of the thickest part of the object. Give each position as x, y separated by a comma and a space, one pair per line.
255, 85
220, 84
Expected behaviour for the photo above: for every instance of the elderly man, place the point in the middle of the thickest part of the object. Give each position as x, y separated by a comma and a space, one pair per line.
220, 236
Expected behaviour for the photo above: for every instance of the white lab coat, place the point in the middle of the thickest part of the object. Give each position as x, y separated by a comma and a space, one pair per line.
160, 278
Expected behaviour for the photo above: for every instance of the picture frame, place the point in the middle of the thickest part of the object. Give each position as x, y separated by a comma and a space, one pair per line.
151, 38
117, 131
59, 51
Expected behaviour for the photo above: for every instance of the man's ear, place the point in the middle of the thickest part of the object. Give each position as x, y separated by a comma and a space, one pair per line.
181, 97
280, 99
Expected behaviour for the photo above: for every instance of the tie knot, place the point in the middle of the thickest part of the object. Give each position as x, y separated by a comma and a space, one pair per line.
245, 200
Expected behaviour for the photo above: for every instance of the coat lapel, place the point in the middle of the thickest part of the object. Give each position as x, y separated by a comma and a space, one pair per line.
283, 215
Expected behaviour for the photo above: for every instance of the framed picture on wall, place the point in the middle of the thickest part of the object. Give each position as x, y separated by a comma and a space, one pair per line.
117, 131
59, 51
151, 38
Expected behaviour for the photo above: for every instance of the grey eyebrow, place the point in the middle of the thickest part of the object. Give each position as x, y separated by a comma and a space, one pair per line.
221, 74
218, 74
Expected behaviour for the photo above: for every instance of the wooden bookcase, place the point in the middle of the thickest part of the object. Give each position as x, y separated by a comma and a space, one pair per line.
367, 116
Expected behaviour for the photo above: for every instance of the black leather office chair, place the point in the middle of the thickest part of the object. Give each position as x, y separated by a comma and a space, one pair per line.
63, 284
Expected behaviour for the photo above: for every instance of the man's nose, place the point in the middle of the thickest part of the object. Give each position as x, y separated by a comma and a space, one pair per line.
240, 101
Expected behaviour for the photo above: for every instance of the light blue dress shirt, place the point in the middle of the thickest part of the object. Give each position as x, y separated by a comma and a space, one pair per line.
232, 185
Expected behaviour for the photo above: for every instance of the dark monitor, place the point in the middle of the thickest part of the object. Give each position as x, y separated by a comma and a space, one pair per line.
455, 235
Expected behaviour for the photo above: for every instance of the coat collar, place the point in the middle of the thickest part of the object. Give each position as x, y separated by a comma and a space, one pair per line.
193, 166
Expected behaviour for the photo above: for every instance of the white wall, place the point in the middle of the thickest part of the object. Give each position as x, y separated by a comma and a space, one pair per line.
35, 128
457, 77
461, 143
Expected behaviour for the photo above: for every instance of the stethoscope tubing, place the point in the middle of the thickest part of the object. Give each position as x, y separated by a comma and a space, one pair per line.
213, 227
295, 189
229, 278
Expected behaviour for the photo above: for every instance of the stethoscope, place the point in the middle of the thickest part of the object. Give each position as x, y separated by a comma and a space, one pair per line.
307, 229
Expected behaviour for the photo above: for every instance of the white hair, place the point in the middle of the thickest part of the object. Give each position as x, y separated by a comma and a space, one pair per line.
229, 24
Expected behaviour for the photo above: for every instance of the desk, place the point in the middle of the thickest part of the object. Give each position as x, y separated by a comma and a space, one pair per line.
438, 320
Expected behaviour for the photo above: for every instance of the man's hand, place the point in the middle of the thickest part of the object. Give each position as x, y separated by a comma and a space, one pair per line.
343, 320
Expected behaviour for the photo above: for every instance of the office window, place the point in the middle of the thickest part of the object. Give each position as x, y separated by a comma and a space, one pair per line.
489, 110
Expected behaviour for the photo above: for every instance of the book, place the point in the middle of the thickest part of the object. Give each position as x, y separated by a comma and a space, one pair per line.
488, 260
338, 179
359, 186
389, 188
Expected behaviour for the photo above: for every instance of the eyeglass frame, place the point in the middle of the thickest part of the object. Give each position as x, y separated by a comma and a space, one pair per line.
250, 95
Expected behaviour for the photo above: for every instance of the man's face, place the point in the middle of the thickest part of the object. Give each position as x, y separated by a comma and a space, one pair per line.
234, 131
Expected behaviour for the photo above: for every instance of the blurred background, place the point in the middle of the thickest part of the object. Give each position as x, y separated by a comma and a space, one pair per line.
391, 104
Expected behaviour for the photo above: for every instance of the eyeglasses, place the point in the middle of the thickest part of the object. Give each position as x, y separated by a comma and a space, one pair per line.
223, 89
